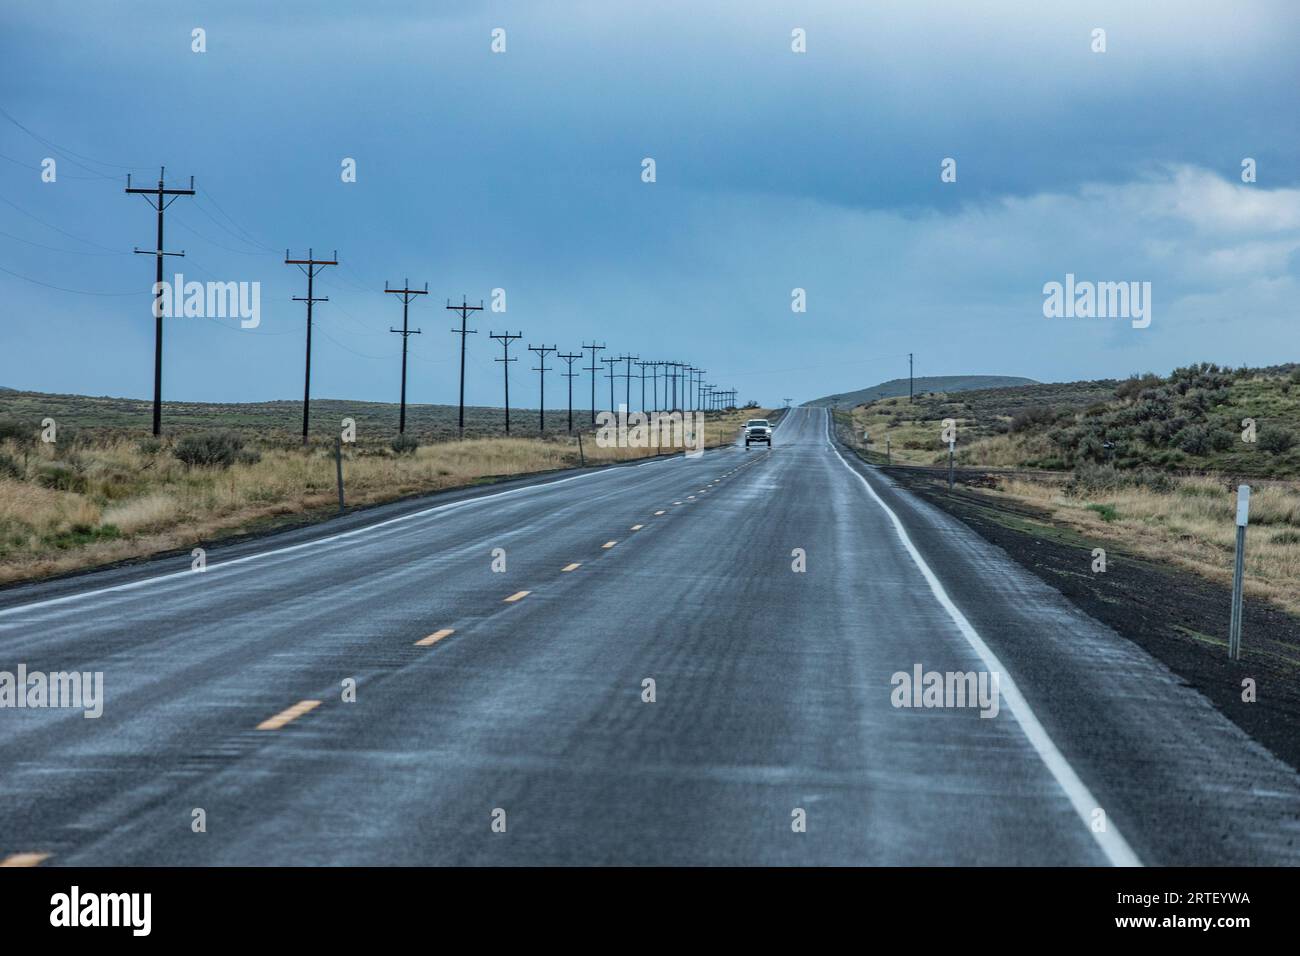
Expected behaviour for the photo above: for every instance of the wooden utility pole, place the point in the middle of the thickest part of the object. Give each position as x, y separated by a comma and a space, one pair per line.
156, 196
612, 360
570, 374
592, 368
641, 366
627, 392
505, 339
464, 309
313, 266
407, 294
542, 369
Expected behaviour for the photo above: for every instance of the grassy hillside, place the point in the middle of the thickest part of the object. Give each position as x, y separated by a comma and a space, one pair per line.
933, 383
1188, 421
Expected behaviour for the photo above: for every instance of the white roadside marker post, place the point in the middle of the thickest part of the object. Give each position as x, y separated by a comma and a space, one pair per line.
1238, 571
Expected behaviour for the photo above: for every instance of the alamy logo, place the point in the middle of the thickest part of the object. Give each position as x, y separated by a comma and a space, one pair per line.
923, 688
74, 689
103, 909
655, 430
1098, 300
208, 300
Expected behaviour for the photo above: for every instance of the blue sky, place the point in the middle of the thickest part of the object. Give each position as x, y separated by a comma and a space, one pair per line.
775, 170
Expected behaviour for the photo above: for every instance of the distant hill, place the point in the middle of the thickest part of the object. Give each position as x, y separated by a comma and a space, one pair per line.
934, 383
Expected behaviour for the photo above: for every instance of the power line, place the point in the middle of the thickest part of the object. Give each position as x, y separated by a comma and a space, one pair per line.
59, 288
68, 252
63, 149
89, 242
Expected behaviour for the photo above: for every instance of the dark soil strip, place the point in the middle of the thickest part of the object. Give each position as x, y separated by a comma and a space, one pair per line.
1175, 615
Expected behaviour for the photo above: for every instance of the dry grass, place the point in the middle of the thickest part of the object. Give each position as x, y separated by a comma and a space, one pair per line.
95, 503
1191, 526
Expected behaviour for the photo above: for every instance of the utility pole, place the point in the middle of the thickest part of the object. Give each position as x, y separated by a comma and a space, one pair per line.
464, 309
592, 369
157, 198
407, 294
542, 368
787, 401
641, 366
313, 266
570, 374
505, 339
654, 385
695, 386
627, 392
611, 361
909, 378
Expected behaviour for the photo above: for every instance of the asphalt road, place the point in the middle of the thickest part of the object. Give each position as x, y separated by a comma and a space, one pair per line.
773, 691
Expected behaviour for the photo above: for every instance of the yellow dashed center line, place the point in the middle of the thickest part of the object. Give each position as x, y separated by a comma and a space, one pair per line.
24, 859
435, 637
517, 596
285, 716
637, 527
572, 567
609, 544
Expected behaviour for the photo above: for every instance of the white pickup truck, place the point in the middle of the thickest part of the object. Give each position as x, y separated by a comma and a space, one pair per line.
758, 430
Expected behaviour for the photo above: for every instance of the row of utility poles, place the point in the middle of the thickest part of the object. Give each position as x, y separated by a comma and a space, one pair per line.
684, 388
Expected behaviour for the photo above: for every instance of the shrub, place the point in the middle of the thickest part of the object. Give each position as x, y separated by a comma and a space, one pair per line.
16, 432
9, 466
214, 449
1194, 439
1091, 479
1276, 441
1107, 512
149, 446
405, 445
60, 477
1033, 417
249, 456
1134, 385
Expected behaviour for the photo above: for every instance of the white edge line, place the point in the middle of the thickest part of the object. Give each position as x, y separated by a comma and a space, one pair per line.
365, 529
1111, 841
